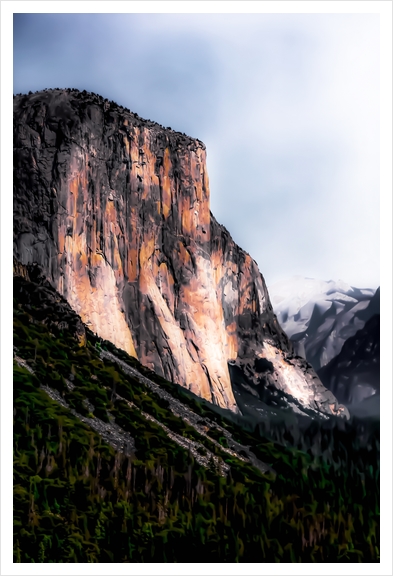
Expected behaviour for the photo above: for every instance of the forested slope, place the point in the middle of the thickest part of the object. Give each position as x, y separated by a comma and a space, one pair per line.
108, 468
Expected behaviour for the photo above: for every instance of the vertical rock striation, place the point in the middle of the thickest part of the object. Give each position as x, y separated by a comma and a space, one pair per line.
116, 211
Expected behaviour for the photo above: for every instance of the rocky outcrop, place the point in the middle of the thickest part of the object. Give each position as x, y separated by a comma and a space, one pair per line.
115, 210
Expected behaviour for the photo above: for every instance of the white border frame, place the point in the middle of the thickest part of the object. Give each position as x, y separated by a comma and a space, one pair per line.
384, 9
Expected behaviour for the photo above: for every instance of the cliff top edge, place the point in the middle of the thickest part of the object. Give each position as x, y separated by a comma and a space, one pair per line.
86, 97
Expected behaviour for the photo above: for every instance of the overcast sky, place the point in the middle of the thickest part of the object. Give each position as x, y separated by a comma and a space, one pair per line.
287, 105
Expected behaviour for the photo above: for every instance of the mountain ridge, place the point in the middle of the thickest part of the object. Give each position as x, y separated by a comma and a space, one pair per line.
319, 316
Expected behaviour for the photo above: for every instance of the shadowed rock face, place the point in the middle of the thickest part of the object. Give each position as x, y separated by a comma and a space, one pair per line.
116, 211
354, 374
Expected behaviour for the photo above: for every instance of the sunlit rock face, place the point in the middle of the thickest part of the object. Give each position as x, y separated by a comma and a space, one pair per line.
116, 211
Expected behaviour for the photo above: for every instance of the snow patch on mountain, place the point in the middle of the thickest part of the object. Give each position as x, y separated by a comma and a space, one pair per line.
318, 315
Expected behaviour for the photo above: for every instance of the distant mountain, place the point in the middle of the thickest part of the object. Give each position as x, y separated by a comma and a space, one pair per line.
319, 316
354, 375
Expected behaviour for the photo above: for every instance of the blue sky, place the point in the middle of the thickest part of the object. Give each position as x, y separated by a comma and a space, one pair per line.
287, 105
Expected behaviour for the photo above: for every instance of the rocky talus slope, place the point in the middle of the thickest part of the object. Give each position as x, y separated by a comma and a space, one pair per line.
115, 210
38, 305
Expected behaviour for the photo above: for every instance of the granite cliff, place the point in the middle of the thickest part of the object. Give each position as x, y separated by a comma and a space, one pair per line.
115, 211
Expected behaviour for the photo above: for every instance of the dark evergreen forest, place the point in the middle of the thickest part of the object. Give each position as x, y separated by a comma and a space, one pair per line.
86, 494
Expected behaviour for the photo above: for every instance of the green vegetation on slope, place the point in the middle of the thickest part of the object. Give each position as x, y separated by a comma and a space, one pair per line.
78, 499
